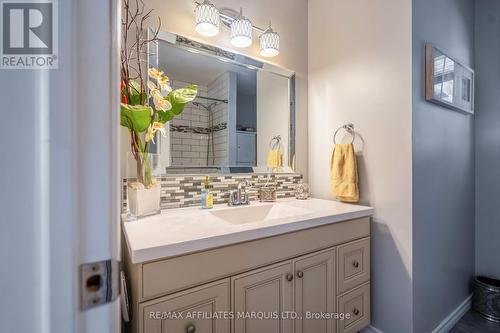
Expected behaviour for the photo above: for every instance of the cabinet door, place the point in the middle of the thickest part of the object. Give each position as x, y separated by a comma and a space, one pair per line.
268, 292
246, 148
194, 310
315, 292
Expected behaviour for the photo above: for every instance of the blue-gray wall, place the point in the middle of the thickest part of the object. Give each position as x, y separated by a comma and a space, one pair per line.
443, 171
487, 39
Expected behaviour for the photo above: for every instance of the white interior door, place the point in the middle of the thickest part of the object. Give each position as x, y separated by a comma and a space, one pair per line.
59, 189
97, 36
97, 161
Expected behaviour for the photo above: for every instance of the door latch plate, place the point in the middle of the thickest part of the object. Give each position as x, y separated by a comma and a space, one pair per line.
99, 283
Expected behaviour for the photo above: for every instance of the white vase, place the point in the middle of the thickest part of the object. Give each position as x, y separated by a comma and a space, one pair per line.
144, 201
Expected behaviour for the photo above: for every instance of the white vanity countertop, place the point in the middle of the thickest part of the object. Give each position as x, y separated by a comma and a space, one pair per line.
180, 231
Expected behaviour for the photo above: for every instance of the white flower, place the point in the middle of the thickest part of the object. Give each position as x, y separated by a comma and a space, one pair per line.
163, 82
152, 129
163, 105
160, 102
155, 73
151, 85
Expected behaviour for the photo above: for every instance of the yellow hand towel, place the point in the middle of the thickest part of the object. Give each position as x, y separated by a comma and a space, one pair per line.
344, 173
274, 158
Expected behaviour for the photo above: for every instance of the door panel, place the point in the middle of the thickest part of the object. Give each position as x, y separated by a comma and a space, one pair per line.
267, 291
246, 148
189, 311
315, 291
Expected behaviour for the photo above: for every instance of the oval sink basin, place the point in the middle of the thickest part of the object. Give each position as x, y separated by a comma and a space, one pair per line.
261, 213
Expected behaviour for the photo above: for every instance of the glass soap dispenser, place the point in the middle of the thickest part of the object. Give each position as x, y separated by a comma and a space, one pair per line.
207, 198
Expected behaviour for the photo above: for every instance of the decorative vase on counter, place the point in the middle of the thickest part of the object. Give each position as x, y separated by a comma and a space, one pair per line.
143, 201
302, 191
143, 191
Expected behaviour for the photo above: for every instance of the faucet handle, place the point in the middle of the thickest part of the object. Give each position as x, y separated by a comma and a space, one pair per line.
233, 198
246, 196
247, 182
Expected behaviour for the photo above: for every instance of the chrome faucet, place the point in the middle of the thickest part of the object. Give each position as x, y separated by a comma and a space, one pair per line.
239, 197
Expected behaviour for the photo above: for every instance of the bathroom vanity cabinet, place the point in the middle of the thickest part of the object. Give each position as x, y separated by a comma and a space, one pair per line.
306, 278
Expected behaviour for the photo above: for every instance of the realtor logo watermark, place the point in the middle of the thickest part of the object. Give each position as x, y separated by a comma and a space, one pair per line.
29, 34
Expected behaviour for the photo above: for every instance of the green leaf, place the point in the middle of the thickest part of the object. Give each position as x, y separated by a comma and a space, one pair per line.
180, 97
135, 117
164, 116
137, 96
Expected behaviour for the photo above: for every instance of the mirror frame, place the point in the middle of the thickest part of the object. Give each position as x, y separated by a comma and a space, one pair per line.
235, 58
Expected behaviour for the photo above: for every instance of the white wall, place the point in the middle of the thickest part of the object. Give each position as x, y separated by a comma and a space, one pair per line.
360, 72
289, 19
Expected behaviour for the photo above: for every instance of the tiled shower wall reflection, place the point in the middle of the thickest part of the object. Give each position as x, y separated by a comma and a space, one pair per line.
190, 147
185, 191
219, 88
190, 131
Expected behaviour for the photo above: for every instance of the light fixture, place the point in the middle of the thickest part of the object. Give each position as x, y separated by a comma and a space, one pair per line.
269, 43
207, 18
241, 31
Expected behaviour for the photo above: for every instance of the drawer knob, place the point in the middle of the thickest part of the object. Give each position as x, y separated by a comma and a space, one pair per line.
190, 328
355, 311
355, 263
300, 274
289, 277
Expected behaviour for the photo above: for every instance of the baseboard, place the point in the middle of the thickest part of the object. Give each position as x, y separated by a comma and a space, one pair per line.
371, 329
446, 325
453, 318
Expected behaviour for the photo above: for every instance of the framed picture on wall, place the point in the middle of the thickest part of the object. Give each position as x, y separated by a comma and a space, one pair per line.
448, 82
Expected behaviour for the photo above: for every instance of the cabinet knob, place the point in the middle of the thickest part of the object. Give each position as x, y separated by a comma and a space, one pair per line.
355, 263
300, 274
355, 311
190, 328
289, 277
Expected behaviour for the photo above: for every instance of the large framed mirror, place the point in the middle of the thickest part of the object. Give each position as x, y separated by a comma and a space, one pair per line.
243, 119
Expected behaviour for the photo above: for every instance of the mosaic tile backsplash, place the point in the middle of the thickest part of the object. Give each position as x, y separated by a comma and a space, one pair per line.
185, 191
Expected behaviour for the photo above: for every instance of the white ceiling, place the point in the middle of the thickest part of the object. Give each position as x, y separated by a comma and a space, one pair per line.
180, 64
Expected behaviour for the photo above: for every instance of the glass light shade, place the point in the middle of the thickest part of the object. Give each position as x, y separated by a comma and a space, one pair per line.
207, 19
269, 43
241, 32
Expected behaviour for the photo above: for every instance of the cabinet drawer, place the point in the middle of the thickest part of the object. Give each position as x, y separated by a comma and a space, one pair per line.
183, 312
356, 303
353, 264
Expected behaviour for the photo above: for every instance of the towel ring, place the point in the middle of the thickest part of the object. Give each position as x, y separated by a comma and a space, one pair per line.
275, 142
349, 128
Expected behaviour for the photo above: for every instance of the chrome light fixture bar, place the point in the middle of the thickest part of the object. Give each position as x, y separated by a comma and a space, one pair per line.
208, 17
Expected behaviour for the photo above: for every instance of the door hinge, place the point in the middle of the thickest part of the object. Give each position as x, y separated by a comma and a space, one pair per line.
99, 283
